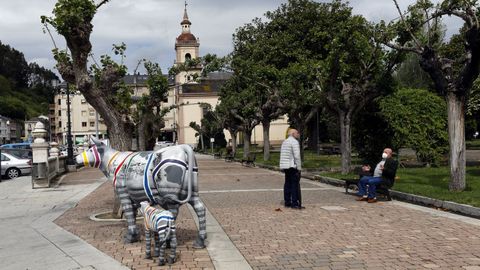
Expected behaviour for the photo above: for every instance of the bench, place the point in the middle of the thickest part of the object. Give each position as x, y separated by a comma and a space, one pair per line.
250, 160
330, 150
218, 155
382, 188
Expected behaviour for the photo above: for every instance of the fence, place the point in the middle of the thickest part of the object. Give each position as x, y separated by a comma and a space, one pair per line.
44, 172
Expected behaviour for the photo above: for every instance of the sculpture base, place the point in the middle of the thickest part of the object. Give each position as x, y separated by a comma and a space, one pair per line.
71, 168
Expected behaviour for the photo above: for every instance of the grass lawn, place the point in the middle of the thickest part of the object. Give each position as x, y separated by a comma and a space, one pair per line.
428, 182
433, 183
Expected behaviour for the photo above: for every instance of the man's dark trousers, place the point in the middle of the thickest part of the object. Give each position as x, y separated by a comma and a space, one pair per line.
291, 187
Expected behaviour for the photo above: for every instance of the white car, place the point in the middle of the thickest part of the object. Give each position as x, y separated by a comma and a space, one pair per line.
13, 166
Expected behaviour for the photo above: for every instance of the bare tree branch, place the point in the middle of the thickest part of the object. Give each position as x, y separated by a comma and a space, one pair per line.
404, 48
50, 34
406, 26
101, 3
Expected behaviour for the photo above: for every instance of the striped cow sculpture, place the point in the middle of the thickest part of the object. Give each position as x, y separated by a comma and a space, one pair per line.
160, 223
167, 177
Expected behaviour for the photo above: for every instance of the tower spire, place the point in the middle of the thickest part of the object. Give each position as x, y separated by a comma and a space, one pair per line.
185, 22
185, 15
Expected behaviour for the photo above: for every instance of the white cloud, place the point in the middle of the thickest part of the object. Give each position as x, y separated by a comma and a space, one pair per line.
149, 27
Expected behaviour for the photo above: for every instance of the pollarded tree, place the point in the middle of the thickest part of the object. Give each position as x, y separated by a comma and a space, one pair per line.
102, 85
354, 67
229, 122
252, 43
150, 113
240, 100
453, 65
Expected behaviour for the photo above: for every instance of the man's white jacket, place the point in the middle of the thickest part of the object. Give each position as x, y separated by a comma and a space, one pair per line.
290, 154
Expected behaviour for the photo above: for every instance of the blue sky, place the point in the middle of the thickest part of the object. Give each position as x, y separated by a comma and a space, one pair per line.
149, 27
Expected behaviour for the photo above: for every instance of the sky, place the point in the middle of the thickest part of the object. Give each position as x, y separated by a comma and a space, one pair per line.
149, 27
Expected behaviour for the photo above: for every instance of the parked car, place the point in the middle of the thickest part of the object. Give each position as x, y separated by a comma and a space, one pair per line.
162, 144
13, 166
21, 150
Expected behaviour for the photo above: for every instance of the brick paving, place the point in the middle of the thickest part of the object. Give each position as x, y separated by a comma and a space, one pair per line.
108, 236
333, 232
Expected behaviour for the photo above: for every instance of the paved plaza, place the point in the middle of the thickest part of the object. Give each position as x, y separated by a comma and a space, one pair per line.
248, 228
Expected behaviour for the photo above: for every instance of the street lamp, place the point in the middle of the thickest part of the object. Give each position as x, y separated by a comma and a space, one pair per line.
64, 86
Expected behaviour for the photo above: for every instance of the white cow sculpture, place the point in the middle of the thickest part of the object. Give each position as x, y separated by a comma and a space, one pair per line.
167, 177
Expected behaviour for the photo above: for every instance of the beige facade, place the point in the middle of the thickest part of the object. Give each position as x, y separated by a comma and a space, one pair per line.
184, 94
83, 120
188, 95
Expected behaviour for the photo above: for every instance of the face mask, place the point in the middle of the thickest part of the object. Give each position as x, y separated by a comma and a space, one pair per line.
384, 155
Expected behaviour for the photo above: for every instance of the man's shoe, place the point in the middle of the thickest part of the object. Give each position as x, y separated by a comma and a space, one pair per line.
374, 200
362, 199
298, 207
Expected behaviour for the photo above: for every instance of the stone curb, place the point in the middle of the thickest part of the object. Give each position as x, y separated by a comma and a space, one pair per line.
463, 209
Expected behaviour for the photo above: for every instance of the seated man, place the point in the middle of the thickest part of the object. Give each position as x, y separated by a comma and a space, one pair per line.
384, 173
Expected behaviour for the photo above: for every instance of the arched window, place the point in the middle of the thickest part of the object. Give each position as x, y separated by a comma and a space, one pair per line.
188, 57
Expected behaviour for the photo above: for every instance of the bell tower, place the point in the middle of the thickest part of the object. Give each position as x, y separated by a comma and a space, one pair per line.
186, 47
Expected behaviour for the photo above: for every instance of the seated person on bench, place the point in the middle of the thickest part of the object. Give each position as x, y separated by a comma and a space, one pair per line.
384, 171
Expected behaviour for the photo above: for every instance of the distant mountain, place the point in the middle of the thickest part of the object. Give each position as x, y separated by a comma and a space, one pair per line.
25, 89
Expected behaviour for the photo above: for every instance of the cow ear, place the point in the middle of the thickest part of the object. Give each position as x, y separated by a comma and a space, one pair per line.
95, 140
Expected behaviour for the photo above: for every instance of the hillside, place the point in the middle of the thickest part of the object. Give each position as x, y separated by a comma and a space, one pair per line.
25, 88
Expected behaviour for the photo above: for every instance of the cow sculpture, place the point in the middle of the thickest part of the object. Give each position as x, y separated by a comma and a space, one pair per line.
167, 177
161, 225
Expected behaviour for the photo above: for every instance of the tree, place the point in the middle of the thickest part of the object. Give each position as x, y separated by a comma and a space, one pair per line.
210, 127
453, 66
101, 85
411, 75
417, 118
229, 122
251, 43
241, 101
150, 114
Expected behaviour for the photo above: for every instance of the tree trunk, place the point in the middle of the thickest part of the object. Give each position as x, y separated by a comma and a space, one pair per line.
141, 134
345, 141
233, 134
201, 142
120, 135
266, 140
246, 143
456, 132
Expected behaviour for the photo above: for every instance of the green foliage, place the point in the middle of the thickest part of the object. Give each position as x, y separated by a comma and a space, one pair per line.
371, 134
25, 89
68, 14
13, 66
411, 75
418, 119
433, 183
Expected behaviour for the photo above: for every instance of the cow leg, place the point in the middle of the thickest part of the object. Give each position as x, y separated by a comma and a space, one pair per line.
173, 245
163, 246
128, 210
148, 247
174, 209
156, 252
199, 208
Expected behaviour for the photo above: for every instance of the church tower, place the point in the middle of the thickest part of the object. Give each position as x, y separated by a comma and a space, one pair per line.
186, 47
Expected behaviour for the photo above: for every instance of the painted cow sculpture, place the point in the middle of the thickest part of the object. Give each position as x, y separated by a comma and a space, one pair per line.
160, 224
167, 177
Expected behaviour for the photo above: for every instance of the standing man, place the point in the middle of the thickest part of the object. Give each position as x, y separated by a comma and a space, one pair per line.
291, 165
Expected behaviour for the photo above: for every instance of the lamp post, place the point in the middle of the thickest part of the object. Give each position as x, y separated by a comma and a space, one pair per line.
64, 86
69, 131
